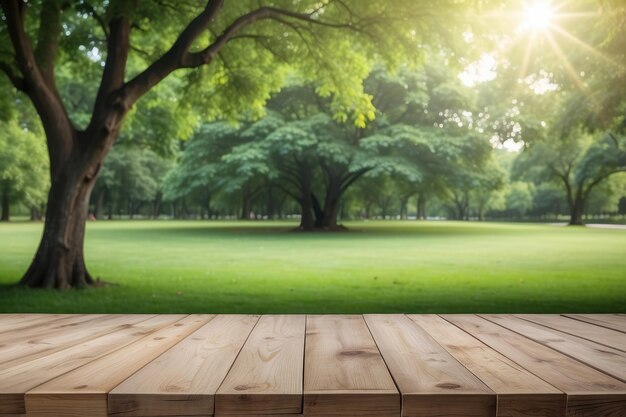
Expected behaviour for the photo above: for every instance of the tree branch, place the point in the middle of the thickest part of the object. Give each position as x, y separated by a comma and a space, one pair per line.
178, 56
60, 132
354, 177
118, 43
173, 59
17, 81
48, 39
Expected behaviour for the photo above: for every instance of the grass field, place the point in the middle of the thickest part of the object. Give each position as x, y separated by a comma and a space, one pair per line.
261, 267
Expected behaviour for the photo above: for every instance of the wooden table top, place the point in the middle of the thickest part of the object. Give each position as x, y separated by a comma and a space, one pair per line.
570, 365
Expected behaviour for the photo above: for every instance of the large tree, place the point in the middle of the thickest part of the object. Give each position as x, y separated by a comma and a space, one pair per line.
240, 48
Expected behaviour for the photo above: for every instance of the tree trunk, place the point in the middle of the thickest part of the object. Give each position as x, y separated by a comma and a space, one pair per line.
207, 202
577, 210
35, 214
307, 218
330, 215
421, 207
99, 204
460, 211
246, 207
403, 209
156, 205
331, 206
5, 207
318, 211
59, 261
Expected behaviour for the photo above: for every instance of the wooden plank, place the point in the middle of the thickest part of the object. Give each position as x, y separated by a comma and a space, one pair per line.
266, 377
519, 393
430, 380
62, 336
39, 320
601, 335
610, 322
344, 373
10, 318
590, 393
255, 415
63, 324
83, 391
604, 359
169, 386
16, 380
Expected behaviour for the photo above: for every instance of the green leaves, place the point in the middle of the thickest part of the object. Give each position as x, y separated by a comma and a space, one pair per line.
24, 173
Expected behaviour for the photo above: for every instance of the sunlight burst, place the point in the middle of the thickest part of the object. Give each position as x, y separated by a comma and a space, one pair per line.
537, 17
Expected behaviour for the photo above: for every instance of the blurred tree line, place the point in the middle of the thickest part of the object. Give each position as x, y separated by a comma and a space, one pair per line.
433, 149
424, 143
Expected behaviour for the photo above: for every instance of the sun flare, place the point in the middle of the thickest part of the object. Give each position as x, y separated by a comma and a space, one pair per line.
537, 16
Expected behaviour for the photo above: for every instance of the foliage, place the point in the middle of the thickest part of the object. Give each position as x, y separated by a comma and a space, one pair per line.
131, 178
23, 165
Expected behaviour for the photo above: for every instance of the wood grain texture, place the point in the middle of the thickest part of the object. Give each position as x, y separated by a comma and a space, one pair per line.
83, 391
605, 320
63, 324
601, 335
34, 344
605, 359
16, 380
568, 375
184, 380
8, 320
519, 392
595, 405
266, 377
22, 323
431, 381
344, 373
236, 366
261, 415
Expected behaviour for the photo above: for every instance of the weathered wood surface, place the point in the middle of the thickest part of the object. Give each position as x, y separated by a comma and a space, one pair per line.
344, 373
267, 375
431, 381
590, 393
519, 392
184, 380
297, 366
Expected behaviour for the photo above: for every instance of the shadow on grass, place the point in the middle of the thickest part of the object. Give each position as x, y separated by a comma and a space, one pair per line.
360, 230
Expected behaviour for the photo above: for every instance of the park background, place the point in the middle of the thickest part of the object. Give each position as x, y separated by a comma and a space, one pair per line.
328, 157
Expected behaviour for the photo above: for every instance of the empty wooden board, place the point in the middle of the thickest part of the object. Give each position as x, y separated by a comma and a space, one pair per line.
605, 320
83, 391
598, 334
431, 382
16, 380
519, 392
266, 377
590, 393
184, 380
22, 323
344, 373
603, 358
62, 336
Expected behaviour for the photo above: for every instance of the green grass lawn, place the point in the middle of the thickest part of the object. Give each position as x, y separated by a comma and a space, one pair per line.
262, 267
